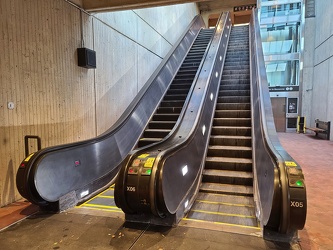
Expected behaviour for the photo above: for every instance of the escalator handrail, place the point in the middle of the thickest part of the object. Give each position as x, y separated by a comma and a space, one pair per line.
30, 161
181, 139
271, 140
157, 146
176, 141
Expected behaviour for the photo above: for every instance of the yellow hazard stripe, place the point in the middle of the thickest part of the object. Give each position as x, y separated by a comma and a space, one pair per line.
105, 196
102, 206
224, 203
104, 209
226, 214
221, 223
99, 195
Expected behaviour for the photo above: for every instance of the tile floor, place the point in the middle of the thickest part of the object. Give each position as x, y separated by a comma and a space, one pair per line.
315, 156
316, 159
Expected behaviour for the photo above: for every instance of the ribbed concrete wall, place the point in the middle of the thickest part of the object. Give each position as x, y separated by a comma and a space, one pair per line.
53, 97
318, 64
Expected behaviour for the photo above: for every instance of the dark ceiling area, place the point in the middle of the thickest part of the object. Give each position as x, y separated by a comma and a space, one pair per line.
114, 5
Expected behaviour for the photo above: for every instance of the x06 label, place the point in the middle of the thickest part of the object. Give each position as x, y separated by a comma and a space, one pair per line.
130, 189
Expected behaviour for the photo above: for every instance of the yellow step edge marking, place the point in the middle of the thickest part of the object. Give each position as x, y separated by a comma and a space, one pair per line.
219, 213
98, 195
102, 206
104, 209
105, 196
87, 201
224, 203
221, 223
224, 195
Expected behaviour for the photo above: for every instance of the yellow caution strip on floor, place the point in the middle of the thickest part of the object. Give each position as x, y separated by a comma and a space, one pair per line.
226, 214
224, 203
221, 223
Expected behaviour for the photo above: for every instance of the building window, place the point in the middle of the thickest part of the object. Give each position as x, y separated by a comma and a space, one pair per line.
282, 73
280, 38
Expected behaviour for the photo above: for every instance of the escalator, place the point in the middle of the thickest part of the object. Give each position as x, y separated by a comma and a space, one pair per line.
223, 167
226, 191
170, 108
59, 177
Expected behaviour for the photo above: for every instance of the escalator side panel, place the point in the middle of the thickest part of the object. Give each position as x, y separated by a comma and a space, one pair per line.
167, 115
56, 171
183, 164
278, 179
178, 159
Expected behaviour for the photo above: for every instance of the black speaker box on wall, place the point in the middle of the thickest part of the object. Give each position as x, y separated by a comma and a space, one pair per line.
86, 58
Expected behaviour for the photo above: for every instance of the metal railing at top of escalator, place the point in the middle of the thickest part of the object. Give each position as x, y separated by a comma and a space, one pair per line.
161, 180
280, 193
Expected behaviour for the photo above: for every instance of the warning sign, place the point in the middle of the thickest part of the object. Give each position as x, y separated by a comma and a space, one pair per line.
290, 164
149, 163
143, 156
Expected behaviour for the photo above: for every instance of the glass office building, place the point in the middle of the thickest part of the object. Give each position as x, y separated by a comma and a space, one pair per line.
282, 23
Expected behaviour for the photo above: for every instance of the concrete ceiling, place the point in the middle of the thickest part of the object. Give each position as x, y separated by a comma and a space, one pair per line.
114, 5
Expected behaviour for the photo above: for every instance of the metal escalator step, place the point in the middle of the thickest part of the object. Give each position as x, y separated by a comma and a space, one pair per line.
228, 163
188, 70
169, 110
233, 113
191, 64
147, 141
177, 91
237, 53
165, 117
220, 217
185, 76
172, 103
236, 71
162, 124
174, 97
235, 87
227, 208
231, 131
182, 81
234, 93
238, 44
226, 189
235, 77
196, 51
235, 58
227, 177
239, 63
230, 140
235, 81
229, 151
233, 99
156, 133
243, 122
233, 106
226, 199
193, 57
238, 47
230, 147
235, 67
177, 86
